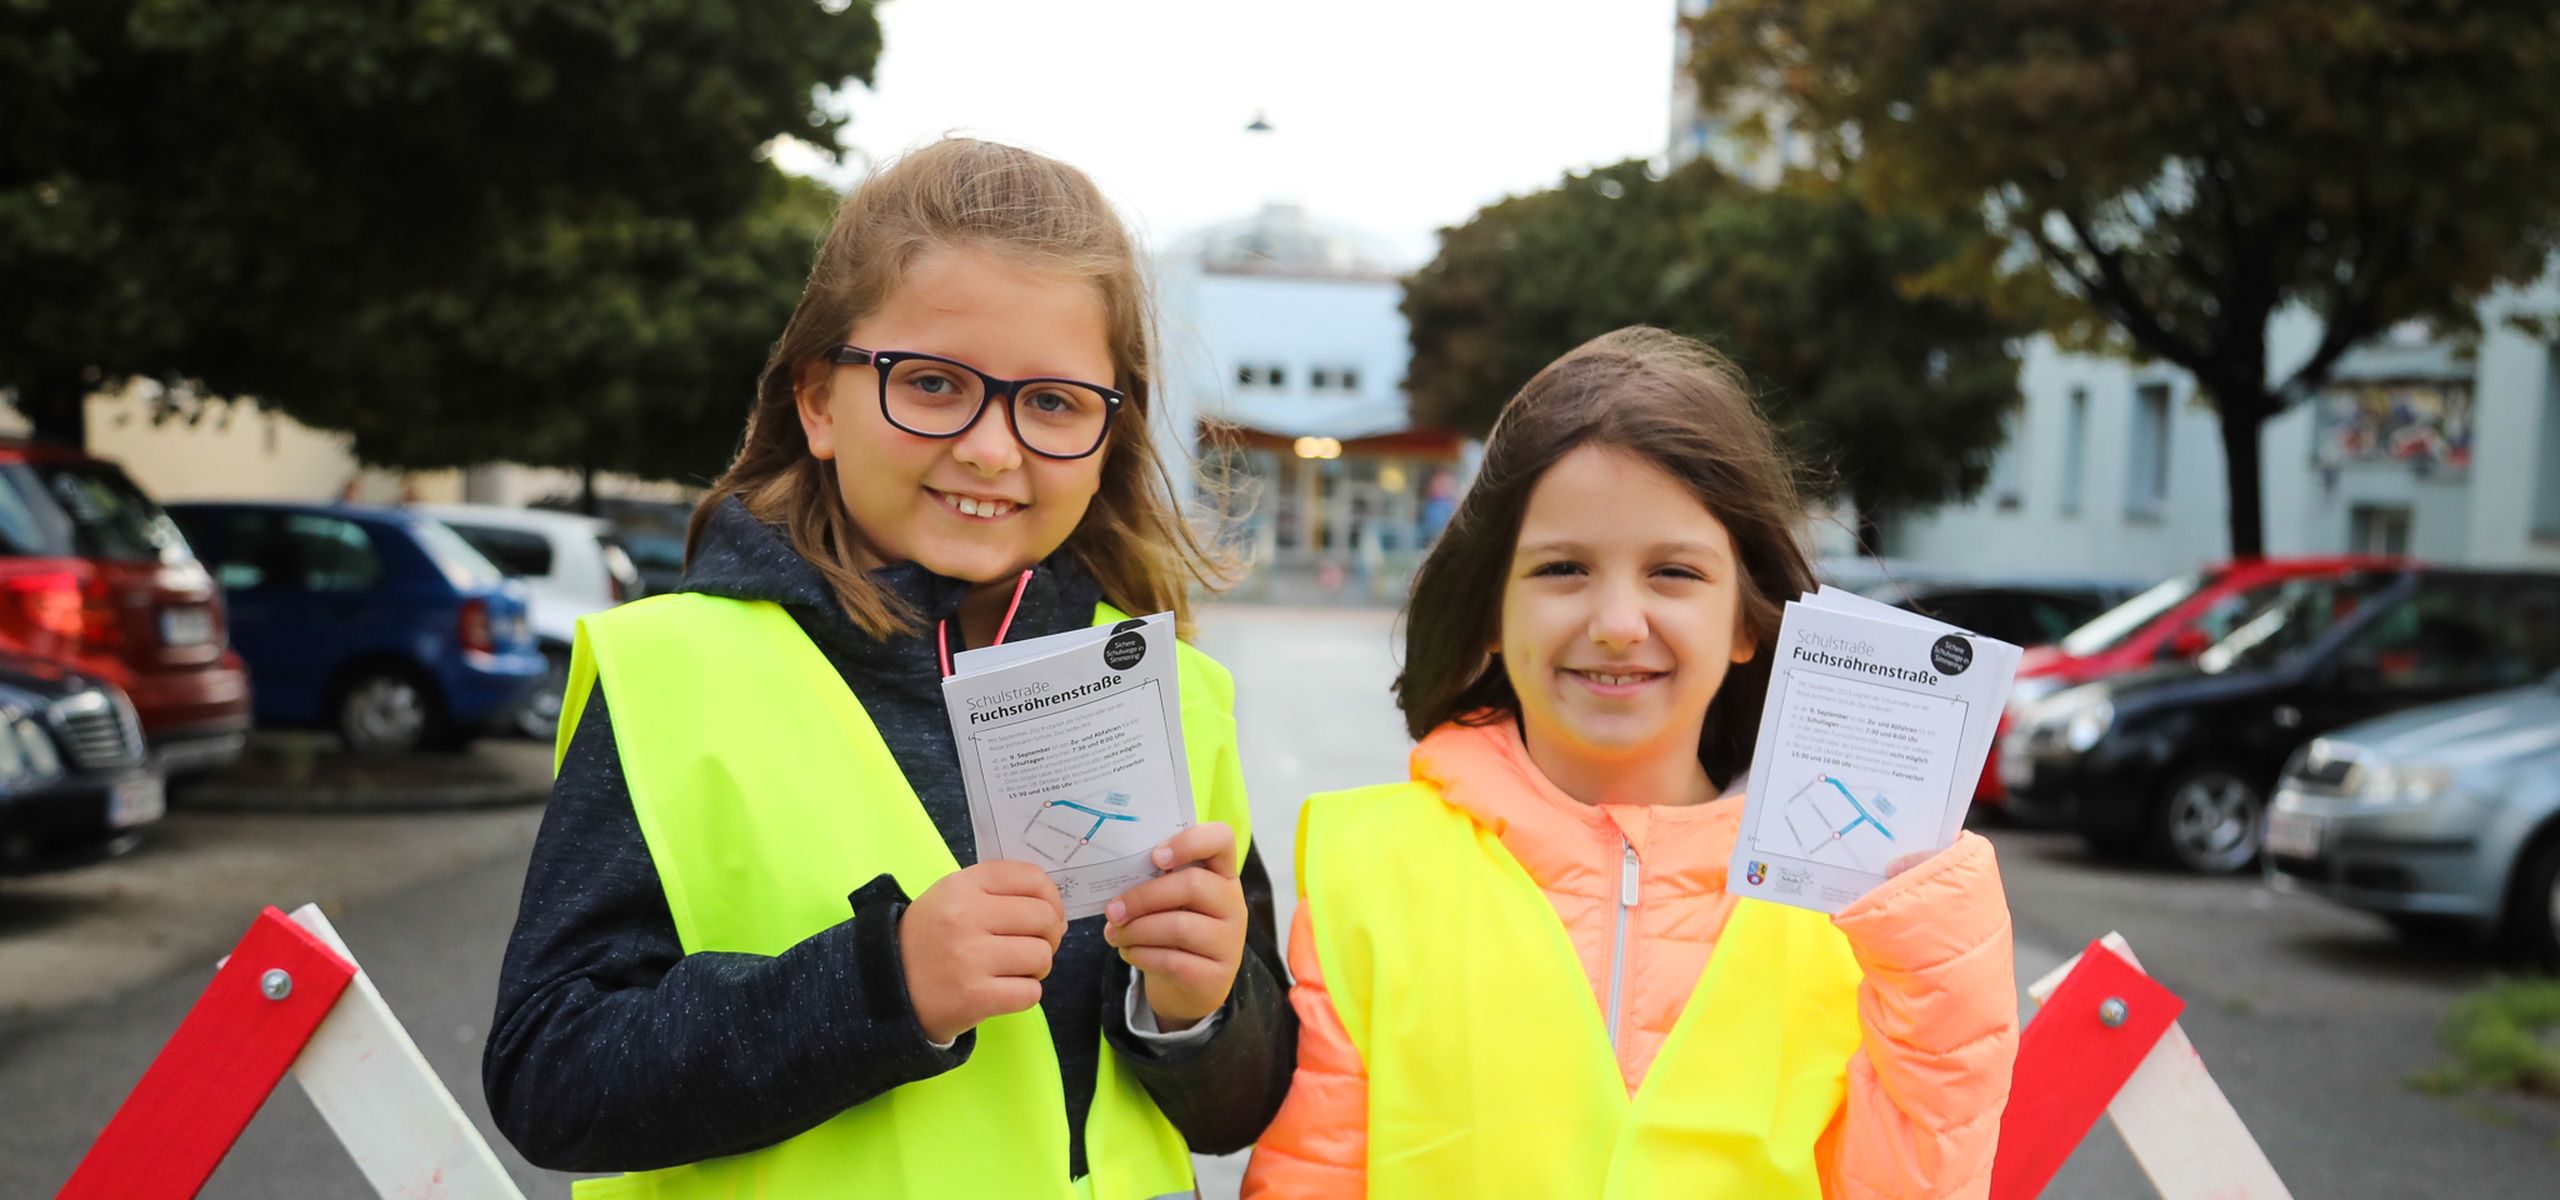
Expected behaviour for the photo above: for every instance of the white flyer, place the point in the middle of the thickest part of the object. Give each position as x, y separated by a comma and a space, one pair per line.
1071, 749
1871, 742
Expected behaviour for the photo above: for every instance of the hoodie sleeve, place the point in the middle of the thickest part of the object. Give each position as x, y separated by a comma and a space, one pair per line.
614, 1050
1939, 1006
1319, 1145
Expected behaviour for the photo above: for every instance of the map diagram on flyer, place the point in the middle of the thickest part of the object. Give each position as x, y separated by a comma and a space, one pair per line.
1828, 823
1062, 829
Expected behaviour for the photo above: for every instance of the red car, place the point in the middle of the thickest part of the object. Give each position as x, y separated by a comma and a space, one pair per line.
94, 576
2172, 622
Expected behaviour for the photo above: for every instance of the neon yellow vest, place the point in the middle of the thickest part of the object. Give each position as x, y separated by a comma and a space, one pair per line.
1489, 1064
766, 795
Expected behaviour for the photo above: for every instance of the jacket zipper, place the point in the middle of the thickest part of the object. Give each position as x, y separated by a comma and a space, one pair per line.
1627, 892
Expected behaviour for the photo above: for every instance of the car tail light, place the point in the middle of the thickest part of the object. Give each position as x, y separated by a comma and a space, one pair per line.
613, 588
60, 611
475, 630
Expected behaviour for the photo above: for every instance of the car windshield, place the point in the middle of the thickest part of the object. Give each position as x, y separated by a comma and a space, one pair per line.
467, 568
87, 510
2292, 621
2114, 627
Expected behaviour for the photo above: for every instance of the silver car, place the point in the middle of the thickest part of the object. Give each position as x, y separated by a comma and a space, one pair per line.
2441, 816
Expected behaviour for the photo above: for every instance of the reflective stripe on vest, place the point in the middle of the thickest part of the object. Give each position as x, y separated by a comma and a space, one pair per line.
766, 796
1489, 1065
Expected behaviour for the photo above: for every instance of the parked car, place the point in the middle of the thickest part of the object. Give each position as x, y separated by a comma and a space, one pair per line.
94, 576
76, 777
574, 566
2449, 815
379, 623
2171, 622
651, 531
2021, 612
2182, 758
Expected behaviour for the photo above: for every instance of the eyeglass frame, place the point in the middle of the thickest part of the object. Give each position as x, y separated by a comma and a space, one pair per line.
882, 361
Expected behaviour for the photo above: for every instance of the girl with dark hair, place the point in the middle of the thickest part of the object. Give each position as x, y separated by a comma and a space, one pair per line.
1520, 973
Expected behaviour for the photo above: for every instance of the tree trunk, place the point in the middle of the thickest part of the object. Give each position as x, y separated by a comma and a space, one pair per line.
587, 488
57, 406
2244, 419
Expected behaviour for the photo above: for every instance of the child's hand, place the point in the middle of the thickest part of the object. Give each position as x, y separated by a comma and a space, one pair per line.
1908, 861
1184, 930
977, 944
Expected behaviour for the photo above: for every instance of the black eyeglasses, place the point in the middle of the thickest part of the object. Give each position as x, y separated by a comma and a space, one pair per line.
942, 398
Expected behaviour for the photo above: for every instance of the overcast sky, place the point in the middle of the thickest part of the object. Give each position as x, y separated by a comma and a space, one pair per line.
1394, 116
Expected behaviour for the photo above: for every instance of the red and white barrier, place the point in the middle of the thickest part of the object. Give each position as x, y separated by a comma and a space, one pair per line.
2106, 1038
290, 997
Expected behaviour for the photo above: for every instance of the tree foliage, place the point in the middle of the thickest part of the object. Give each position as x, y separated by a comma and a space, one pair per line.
458, 228
1895, 392
2190, 168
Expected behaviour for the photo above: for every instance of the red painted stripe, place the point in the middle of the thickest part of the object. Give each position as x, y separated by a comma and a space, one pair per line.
2071, 1065
215, 1071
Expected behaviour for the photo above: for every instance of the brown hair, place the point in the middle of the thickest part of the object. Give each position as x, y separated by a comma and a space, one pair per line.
1032, 210
1674, 403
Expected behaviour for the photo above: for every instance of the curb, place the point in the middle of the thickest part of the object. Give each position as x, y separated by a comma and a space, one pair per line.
490, 777
216, 795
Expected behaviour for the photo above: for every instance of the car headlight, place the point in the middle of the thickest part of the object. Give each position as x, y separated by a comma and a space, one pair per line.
2088, 725
35, 746
2403, 784
2024, 694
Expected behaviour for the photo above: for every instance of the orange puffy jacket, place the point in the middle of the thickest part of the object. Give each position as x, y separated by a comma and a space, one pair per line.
1939, 1001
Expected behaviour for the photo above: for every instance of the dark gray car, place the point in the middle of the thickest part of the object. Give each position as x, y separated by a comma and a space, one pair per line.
74, 779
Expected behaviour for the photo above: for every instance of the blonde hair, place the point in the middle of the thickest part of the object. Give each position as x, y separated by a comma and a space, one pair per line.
1029, 209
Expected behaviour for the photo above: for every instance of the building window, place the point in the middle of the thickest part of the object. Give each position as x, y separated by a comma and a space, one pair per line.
2378, 529
2007, 485
1252, 375
2147, 468
1320, 380
1350, 379
2546, 468
2075, 451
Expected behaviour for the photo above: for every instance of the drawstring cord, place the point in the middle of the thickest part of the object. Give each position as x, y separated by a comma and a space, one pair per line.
942, 628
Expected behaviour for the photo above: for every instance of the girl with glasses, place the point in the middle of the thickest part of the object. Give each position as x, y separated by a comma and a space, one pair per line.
756, 953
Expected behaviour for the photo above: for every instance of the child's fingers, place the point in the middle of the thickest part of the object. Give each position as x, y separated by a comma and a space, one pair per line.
1182, 968
1197, 889
1023, 916
1018, 957
1180, 929
1007, 877
1210, 844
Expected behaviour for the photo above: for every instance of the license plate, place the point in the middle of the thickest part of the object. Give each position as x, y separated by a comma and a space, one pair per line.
186, 626
2295, 835
139, 800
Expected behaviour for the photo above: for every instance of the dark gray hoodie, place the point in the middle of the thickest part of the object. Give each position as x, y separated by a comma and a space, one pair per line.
613, 1050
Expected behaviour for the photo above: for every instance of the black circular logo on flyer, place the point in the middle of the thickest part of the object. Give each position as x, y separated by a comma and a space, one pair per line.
1125, 648
1951, 655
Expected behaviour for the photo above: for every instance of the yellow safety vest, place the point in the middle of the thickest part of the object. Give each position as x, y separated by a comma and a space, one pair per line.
1490, 1069
766, 795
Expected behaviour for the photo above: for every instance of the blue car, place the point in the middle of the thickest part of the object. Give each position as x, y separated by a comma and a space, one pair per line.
379, 623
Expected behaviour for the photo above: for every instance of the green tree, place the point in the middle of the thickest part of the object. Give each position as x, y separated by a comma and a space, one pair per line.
454, 227
2189, 169
1899, 390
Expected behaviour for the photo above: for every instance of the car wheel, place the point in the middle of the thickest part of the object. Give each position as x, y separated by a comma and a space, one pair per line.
2533, 924
2211, 821
539, 716
388, 711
